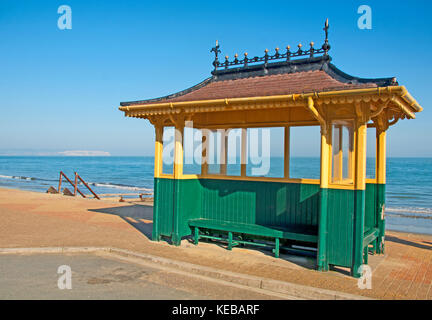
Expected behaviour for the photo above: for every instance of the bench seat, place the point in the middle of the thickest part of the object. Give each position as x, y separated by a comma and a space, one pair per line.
277, 232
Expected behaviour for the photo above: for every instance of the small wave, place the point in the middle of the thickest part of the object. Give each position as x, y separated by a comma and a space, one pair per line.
119, 186
17, 177
24, 178
409, 210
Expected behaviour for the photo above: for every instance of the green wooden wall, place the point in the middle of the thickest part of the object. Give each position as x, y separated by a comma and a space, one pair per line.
271, 204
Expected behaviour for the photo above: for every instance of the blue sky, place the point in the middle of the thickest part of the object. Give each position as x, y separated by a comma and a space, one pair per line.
60, 89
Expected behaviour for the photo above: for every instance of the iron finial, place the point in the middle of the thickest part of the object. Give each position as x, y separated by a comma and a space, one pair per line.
326, 46
288, 53
326, 27
300, 51
312, 49
216, 51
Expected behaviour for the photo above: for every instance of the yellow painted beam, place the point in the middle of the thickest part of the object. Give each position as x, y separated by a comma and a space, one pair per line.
398, 101
316, 114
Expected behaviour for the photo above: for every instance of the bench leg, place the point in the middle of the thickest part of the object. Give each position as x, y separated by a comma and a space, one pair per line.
276, 251
374, 247
196, 235
366, 255
230, 238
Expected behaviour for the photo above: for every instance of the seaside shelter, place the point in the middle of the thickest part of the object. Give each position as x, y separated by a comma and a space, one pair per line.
338, 215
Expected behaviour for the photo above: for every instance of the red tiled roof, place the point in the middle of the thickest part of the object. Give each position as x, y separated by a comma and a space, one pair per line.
296, 77
280, 84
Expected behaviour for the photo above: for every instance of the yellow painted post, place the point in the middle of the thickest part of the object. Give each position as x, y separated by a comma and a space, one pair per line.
178, 173
340, 154
157, 173
351, 162
178, 152
287, 152
381, 156
204, 155
324, 184
360, 194
224, 152
158, 151
243, 156
381, 181
360, 180
325, 157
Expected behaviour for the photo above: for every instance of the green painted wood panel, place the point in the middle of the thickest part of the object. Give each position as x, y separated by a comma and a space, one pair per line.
252, 202
164, 206
371, 207
189, 194
340, 227
261, 203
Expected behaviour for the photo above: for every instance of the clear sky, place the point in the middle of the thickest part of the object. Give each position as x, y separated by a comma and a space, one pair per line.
60, 89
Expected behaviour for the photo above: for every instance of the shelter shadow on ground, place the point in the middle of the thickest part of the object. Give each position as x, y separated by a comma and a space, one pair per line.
427, 246
138, 216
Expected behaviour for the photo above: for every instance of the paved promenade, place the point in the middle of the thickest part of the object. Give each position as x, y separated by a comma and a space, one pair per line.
30, 219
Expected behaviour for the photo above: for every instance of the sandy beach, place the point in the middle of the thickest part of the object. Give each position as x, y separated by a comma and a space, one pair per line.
31, 219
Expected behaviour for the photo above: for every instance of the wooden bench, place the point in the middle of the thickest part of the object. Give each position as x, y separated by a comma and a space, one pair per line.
276, 232
368, 238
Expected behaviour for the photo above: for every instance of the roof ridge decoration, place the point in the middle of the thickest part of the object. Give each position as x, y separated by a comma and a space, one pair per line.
311, 52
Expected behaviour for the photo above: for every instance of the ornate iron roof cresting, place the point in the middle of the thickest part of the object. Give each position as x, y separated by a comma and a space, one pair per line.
276, 56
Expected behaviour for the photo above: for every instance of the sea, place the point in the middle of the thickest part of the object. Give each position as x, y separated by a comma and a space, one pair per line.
408, 190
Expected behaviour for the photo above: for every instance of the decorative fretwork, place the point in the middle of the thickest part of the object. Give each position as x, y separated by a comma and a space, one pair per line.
287, 55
